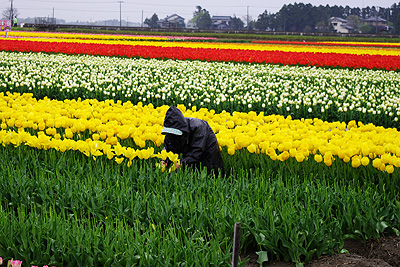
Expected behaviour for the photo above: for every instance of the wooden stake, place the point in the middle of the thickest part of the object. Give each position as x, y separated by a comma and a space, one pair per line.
236, 241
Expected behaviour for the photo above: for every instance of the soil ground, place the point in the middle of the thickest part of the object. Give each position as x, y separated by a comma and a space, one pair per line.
384, 252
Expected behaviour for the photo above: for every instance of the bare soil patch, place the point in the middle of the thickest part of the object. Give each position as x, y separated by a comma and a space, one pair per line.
384, 252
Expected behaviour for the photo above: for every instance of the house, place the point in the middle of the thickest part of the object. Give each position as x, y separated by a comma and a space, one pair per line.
172, 21
378, 22
340, 25
221, 22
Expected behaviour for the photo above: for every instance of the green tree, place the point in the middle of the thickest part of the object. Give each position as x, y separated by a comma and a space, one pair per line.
251, 25
265, 21
396, 24
152, 22
365, 28
320, 26
354, 21
394, 12
336, 11
202, 19
237, 23
297, 16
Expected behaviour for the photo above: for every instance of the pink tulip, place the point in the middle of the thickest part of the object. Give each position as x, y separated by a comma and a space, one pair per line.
15, 263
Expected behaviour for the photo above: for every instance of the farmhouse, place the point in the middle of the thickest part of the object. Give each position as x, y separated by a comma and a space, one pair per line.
221, 22
340, 25
172, 21
379, 23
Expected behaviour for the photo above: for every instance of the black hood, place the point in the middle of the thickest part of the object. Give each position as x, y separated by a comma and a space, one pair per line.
175, 119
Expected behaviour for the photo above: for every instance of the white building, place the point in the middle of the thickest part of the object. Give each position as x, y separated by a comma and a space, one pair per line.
340, 25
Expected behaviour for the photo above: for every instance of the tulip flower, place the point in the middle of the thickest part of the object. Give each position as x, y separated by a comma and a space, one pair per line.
14, 263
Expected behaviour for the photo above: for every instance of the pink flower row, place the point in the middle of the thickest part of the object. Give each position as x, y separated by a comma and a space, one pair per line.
17, 263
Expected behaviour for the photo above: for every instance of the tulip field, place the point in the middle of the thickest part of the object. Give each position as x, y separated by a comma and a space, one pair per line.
309, 135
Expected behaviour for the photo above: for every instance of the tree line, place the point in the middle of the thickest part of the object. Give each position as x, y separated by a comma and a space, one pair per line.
308, 18
300, 17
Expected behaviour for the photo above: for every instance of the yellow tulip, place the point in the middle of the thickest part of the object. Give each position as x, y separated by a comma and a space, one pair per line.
328, 162
365, 161
397, 162
318, 158
382, 167
96, 137
103, 135
252, 148
110, 154
284, 156
377, 163
273, 156
389, 168
385, 158
355, 162
41, 126
300, 157
231, 150
119, 160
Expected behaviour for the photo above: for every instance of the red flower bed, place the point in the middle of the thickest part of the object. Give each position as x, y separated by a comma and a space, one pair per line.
326, 44
208, 54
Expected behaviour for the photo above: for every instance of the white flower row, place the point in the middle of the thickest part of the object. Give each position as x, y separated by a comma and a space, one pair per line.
289, 88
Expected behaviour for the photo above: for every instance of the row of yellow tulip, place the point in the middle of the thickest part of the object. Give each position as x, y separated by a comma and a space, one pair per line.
238, 46
104, 124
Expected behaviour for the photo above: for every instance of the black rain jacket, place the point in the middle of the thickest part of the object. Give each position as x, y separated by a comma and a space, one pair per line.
199, 145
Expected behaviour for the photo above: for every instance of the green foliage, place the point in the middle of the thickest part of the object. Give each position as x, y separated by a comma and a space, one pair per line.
152, 22
265, 21
365, 28
237, 23
396, 24
202, 19
354, 21
65, 209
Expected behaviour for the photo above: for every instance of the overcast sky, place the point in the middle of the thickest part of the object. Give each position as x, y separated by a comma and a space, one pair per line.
90, 10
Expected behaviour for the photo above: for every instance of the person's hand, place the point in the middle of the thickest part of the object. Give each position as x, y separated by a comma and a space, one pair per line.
177, 165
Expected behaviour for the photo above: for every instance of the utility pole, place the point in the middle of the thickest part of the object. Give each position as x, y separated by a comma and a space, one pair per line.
12, 13
120, 18
376, 19
248, 27
142, 18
